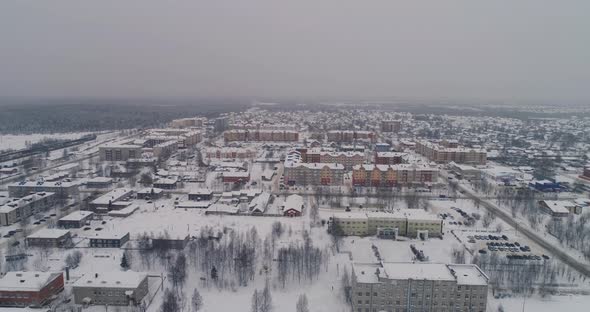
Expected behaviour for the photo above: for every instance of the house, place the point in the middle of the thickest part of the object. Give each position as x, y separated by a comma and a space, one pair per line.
200, 195
111, 288
75, 220
150, 193
49, 238
259, 204
109, 239
293, 206
29, 289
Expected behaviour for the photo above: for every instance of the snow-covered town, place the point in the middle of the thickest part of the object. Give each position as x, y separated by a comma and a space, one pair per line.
298, 155
338, 210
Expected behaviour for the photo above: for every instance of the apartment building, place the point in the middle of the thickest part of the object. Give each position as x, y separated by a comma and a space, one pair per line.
196, 122
119, 152
17, 209
388, 158
393, 175
348, 136
60, 189
347, 159
230, 153
406, 222
299, 173
435, 287
29, 289
183, 137
391, 125
111, 288
441, 153
261, 135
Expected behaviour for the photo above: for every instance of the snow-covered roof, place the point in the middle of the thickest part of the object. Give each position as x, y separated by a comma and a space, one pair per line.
559, 206
49, 233
294, 202
112, 196
26, 281
12, 204
77, 215
108, 235
148, 190
127, 279
467, 274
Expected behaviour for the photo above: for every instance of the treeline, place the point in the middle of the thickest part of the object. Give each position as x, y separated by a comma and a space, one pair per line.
54, 116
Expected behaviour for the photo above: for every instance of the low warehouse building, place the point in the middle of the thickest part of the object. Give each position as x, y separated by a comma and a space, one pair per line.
75, 220
50, 238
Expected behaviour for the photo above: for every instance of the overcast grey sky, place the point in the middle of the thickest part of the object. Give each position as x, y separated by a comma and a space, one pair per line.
517, 49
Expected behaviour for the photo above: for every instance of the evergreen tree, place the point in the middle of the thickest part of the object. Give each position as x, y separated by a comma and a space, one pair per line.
214, 273
125, 261
197, 301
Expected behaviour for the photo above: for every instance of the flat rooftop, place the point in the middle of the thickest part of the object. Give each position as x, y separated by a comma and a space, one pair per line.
77, 216
127, 279
468, 274
49, 233
26, 281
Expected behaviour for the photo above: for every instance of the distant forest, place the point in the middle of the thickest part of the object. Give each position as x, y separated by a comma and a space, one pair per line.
20, 116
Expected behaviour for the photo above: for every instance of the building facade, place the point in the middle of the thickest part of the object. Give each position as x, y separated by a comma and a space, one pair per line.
60, 189
440, 153
49, 238
388, 158
405, 222
393, 175
111, 288
298, 173
391, 125
348, 136
29, 289
18, 209
261, 136
409, 287
119, 152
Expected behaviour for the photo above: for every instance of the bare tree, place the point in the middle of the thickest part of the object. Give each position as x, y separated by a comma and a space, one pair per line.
302, 304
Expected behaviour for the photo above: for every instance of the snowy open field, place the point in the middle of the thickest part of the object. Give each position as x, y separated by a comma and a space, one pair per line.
12, 141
